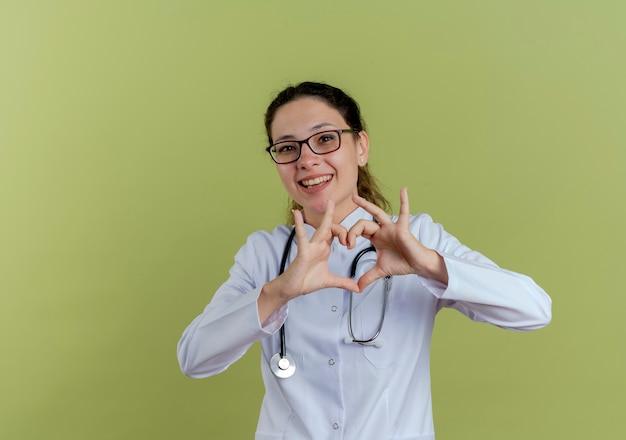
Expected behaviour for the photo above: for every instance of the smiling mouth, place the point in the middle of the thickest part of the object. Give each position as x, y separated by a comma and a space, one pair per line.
314, 182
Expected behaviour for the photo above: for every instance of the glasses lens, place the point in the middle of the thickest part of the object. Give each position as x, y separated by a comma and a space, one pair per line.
325, 142
284, 152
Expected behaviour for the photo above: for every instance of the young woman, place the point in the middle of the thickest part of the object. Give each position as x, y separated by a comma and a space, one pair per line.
345, 355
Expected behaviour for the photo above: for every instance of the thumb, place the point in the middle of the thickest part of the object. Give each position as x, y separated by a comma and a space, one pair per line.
345, 283
369, 277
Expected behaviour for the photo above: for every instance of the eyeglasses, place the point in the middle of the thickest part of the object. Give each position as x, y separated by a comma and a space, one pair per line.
323, 142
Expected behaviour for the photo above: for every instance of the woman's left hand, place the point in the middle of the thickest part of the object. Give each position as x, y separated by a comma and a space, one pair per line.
398, 251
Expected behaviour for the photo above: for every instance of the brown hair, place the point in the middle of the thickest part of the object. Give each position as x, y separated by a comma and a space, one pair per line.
367, 185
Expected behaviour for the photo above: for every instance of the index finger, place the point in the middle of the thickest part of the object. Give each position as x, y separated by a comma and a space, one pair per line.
379, 214
298, 220
403, 217
325, 226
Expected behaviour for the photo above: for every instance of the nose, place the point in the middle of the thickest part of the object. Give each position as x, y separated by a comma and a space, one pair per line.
307, 156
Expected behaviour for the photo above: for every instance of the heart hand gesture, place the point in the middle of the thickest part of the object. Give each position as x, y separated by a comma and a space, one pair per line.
398, 251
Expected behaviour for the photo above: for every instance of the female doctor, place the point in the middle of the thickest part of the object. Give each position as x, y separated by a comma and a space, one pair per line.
344, 301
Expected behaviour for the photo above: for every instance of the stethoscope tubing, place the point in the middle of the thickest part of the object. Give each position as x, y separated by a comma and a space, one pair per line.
283, 264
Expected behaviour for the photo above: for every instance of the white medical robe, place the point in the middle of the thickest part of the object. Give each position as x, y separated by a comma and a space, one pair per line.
345, 390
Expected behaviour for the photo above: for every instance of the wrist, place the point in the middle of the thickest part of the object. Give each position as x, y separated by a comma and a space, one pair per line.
437, 269
270, 300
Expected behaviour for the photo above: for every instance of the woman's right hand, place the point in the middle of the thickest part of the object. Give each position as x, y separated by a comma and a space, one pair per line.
309, 270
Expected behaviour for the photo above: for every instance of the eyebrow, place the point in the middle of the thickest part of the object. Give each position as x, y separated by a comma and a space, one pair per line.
292, 137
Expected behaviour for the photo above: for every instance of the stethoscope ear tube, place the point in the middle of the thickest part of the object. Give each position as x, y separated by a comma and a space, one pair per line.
357, 258
372, 340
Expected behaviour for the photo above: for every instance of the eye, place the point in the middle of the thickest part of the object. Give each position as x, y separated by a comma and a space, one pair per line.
326, 138
284, 148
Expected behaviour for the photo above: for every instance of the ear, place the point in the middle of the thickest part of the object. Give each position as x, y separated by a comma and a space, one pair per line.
363, 148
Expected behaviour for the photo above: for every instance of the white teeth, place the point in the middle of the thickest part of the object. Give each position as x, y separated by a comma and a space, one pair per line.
316, 181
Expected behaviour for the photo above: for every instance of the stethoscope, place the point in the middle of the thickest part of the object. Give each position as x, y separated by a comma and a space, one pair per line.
282, 364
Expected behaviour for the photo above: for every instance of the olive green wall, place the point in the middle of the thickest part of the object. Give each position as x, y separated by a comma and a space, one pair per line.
132, 169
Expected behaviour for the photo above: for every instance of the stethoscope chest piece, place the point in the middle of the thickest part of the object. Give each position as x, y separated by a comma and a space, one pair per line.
282, 366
